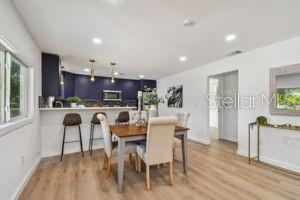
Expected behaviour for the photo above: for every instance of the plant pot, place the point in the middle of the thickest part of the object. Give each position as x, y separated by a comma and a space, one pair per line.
152, 111
73, 105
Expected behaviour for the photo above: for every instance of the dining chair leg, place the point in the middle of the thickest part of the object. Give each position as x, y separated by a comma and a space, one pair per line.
108, 169
158, 166
164, 165
171, 173
148, 177
105, 162
136, 161
173, 152
139, 164
130, 157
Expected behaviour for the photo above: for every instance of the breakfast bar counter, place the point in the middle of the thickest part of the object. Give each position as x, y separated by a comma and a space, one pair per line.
52, 128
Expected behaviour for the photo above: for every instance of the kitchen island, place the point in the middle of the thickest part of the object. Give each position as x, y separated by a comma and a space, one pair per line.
52, 128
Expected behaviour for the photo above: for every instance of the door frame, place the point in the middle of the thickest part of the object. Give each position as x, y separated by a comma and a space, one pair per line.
220, 117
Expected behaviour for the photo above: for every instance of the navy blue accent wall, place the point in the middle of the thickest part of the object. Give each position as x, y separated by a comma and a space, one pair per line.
50, 75
148, 83
85, 89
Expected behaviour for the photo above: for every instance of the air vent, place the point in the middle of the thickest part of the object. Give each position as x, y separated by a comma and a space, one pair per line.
234, 53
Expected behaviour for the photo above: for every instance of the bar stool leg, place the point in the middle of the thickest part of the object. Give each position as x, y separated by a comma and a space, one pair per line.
80, 140
90, 144
63, 144
92, 140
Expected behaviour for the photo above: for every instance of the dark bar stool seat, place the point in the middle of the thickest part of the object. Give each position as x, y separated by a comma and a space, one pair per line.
71, 119
94, 121
123, 117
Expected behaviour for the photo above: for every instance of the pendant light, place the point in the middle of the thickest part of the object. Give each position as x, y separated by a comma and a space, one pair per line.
112, 72
62, 82
92, 70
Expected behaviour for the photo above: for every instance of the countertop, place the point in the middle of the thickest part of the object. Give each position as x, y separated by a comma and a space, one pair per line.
86, 108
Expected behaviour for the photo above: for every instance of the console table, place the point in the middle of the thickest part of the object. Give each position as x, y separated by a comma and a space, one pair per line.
257, 157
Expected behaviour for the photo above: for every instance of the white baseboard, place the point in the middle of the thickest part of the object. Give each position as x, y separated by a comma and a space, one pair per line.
27, 178
69, 151
271, 161
200, 140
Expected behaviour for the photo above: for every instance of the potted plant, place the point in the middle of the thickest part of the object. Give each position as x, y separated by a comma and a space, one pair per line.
153, 100
73, 101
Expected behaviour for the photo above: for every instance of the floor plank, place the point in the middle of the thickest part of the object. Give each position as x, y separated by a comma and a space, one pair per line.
215, 172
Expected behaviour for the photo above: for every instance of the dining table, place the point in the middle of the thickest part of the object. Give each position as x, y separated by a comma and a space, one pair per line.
131, 132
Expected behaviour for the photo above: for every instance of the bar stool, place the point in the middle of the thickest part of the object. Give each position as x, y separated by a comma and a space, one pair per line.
94, 121
123, 117
71, 119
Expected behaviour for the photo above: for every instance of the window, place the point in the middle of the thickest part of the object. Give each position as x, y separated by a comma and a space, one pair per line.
288, 98
13, 80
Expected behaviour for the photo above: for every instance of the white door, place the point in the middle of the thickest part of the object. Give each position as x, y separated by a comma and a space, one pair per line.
228, 113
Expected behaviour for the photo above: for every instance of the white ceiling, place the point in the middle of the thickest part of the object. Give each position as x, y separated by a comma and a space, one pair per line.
147, 37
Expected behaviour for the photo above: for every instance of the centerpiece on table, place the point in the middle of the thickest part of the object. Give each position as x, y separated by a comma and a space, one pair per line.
73, 101
153, 100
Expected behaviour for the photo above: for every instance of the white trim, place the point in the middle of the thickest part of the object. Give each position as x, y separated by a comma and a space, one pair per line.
200, 140
26, 179
13, 125
271, 161
70, 151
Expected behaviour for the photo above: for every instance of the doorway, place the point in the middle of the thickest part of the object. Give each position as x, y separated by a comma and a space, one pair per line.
223, 111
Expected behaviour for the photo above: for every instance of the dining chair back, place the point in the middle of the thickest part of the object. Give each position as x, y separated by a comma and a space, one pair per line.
183, 118
106, 134
160, 140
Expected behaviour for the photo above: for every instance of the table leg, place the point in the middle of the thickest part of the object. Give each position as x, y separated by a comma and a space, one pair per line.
121, 154
184, 152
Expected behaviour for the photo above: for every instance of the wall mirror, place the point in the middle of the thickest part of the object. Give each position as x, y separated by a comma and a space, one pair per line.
285, 90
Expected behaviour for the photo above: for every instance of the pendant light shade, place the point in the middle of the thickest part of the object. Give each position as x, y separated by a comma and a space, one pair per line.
112, 72
92, 70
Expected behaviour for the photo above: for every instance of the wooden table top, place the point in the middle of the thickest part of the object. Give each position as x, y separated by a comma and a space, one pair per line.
128, 130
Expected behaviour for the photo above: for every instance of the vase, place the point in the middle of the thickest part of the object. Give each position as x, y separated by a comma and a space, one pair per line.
73, 105
152, 111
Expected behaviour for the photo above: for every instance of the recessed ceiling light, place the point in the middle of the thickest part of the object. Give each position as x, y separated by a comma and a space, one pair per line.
182, 58
141, 76
87, 70
230, 37
188, 23
116, 73
97, 41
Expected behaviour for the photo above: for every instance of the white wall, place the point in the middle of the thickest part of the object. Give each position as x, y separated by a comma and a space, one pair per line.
24, 141
253, 70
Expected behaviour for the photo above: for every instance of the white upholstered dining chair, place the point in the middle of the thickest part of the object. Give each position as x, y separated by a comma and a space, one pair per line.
133, 116
183, 118
159, 145
111, 148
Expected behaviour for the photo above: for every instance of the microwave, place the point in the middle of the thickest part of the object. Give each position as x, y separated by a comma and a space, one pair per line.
112, 95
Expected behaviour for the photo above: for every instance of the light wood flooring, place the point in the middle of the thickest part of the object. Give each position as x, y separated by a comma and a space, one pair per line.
215, 172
